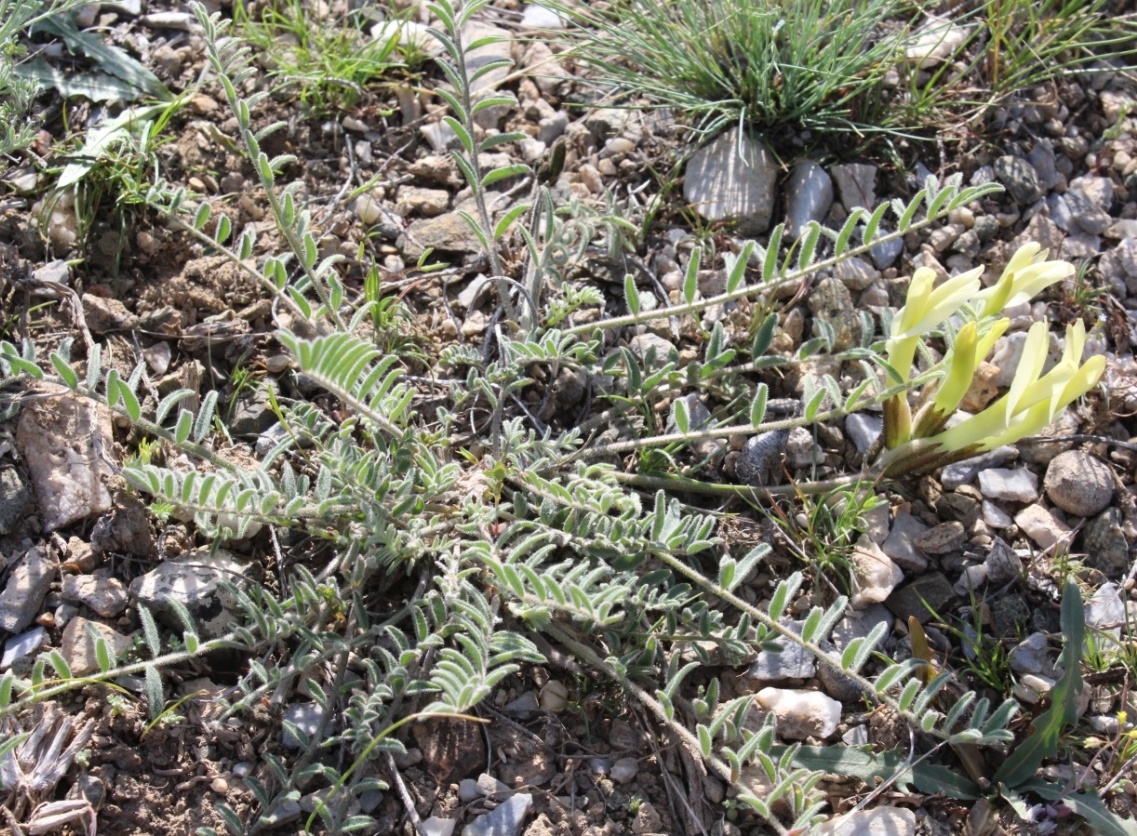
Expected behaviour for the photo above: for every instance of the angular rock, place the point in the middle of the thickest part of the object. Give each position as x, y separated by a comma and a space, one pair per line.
1079, 483
809, 196
994, 516
306, 717
505, 820
801, 714
624, 770
722, 184
451, 749
435, 826
1090, 199
67, 443
1019, 178
486, 84
447, 233
1105, 610
855, 273
1002, 563
879, 821
863, 430
793, 662
856, 185
802, 450
832, 303
960, 473
539, 17
874, 575
1032, 655
193, 580
934, 41
900, 543
1040, 526
78, 645
22, 646
1105, 544
1007, 485
105, 596
941, 539
926, 596
24, 591
14, 498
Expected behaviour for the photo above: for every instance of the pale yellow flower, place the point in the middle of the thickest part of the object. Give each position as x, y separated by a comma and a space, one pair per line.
1026, 274
1034, 399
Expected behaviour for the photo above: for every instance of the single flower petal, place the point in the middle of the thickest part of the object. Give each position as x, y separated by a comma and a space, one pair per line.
1030, 366
922, 315
961, 371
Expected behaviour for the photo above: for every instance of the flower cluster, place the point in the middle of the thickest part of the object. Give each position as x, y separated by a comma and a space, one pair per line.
1034, 397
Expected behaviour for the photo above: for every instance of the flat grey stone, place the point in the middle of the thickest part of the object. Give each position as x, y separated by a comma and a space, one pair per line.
855, 273
435, 826
924, 597
1043, 158
961, 473
1002, 563
21, 646
1008, 485
195, 581
105, 596
900, 543
79, 648
307, 718
505, 820
793, 662
24, 591
67, 444
879, 821
1032, 655
1090, 199
722, 184
1060, 212
831, 302
14, 497
1105, 610
1019, 178
1105, 544
886, 252
809, 196
856, 184
863, 430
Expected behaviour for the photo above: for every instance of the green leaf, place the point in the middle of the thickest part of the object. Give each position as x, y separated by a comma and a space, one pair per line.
809, 245
463, 135
508, 219
773, 249
504, 173
1089, 806
691, 278
64, 370
1025, 759
758, 405
765, 336
62, 669
682, 415
631, 294
814, 404
871, 768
